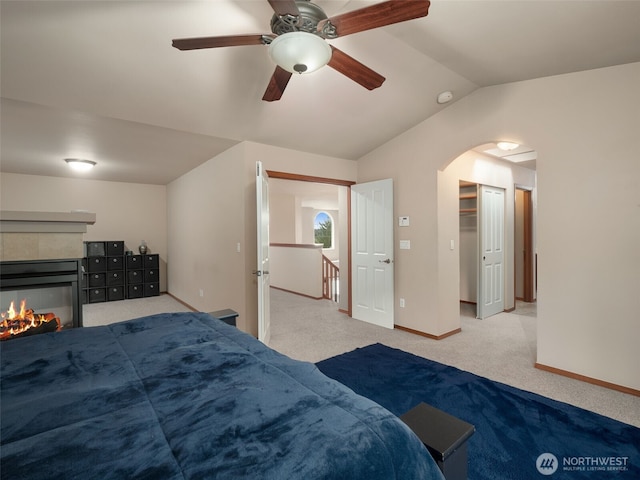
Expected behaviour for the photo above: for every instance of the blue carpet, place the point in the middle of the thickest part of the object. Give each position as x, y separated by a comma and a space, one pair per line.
514, 428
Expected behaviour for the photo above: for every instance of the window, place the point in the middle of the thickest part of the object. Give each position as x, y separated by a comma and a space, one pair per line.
323, 230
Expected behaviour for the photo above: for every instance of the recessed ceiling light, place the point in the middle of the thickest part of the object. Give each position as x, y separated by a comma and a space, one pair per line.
506, 146
79, 164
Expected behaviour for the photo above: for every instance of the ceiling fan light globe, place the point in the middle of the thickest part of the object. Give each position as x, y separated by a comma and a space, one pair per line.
300, 52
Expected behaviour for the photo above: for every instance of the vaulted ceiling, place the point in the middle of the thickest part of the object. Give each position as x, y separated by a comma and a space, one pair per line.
100, 79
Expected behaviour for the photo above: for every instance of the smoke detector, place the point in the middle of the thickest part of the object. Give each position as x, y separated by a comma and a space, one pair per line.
445, 97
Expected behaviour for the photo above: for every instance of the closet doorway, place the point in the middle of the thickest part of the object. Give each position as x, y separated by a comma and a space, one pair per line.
468, 242
524, 264
482, 247
514, 173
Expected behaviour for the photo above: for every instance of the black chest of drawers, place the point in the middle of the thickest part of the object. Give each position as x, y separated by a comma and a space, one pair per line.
143, 275
109, 274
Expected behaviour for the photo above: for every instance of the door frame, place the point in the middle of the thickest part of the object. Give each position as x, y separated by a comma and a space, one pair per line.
330, 181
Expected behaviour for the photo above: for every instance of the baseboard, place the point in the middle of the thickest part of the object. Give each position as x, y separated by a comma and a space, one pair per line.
181, 302
296, 293
583, 378
428, 335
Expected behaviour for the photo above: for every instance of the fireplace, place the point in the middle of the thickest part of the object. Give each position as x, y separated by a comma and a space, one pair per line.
45, 292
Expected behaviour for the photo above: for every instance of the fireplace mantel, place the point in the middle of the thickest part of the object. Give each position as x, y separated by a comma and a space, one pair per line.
43, 235
45, 222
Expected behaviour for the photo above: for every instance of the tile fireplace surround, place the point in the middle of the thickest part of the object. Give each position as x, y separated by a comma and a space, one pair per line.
42, 235
40, 262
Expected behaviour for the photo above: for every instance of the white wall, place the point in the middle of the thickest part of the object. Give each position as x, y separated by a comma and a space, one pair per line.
282, 218
584, 127
213, 208
296, 269
124, 211
206, 228
290, 222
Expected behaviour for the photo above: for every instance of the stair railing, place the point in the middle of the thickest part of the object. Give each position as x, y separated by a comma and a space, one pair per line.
330, 279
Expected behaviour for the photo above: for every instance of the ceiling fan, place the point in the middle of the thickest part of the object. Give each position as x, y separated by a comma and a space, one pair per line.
298, 44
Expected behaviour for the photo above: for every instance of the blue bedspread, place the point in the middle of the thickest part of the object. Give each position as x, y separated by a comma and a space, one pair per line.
185, 396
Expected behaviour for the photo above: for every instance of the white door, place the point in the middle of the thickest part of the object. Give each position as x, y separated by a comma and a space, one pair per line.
262, 272
491, 251
372, 252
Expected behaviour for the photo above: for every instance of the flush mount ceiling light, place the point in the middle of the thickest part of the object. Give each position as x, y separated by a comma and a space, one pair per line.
79, 164
300, 52
507, 146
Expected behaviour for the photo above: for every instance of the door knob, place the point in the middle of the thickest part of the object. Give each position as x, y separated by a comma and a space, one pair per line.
387, 261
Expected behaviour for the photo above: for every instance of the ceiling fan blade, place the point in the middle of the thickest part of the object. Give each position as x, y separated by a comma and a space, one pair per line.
378, 15
214, 42
285, 7
277, 84
355, 70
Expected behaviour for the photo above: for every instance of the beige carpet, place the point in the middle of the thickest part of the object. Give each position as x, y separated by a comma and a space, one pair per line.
105, 313
502, 347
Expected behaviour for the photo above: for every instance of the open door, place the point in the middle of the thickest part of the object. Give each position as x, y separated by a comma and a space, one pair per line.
372, 252
491, 251
264, 304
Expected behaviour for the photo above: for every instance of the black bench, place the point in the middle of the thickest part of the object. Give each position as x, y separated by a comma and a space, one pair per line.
444, 435
227, 316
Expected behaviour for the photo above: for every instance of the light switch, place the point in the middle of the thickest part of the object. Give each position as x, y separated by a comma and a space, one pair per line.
403, 221
452, 246
405, 244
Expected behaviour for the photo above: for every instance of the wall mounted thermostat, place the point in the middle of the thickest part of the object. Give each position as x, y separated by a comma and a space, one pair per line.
403, 221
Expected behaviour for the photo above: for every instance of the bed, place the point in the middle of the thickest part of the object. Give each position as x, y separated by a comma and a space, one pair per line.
186, 396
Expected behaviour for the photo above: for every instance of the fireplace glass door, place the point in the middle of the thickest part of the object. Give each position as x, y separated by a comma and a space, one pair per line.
53, 302
39, 297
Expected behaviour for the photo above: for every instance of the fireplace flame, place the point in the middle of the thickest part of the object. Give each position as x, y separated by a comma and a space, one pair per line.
14, 324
